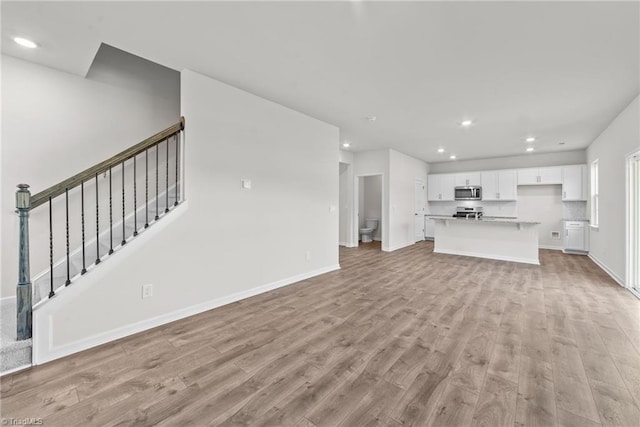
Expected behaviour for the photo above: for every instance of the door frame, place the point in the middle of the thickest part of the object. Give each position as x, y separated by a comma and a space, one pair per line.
356, 209
632, 239
349, 243
424, 208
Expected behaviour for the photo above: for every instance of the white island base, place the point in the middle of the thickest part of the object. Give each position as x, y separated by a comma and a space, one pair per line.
507, 240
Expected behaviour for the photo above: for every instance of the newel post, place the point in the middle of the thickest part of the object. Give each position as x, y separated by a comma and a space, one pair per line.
23, 291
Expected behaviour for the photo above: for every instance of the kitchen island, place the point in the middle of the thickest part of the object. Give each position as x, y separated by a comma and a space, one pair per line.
507, 239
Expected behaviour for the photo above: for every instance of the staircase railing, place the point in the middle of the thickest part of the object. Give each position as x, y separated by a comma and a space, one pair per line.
25, 203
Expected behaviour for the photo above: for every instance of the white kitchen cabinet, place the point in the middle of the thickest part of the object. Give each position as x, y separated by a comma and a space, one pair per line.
465, 179
576, 237
429, 228
574, 182
540, 176
551, 175
499, 185
441, 187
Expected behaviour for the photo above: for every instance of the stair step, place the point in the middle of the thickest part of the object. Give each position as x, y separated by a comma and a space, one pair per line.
13, 354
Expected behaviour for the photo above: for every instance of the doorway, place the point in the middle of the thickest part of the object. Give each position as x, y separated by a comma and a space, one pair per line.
419, 211
633, 222
368, 209
345, 233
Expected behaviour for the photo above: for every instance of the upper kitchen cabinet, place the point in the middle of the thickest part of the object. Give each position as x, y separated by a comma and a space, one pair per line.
465, 179
540, 176
499, 185
441, 187
574, 182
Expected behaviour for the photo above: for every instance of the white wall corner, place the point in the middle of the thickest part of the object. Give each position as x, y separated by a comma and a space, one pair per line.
611, 274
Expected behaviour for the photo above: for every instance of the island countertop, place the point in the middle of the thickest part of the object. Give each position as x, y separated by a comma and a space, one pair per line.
484, 220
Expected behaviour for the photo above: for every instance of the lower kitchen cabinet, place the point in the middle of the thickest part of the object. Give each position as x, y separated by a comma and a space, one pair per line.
576, 236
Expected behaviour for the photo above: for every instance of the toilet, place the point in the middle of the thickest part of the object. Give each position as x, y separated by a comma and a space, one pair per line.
366, 233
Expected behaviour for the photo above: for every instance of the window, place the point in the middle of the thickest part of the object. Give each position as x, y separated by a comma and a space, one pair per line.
595, 220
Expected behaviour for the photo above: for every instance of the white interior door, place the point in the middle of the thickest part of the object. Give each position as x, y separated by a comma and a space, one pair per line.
419, 210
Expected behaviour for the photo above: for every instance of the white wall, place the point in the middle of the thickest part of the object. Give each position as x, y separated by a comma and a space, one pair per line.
543, 203
512, 162
229, 242
56, 124
372, 203
403, 172
621, 138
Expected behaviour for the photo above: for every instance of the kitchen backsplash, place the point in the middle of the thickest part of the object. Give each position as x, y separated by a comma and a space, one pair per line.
570, 210
574, 210
507, 209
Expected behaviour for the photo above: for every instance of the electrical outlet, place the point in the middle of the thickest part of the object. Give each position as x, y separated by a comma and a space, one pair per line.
147, 291
555, 235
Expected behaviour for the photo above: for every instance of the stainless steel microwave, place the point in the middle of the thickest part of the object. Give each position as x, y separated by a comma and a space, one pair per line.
468, 193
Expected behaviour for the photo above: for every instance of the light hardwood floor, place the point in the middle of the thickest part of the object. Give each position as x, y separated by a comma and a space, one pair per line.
409, 337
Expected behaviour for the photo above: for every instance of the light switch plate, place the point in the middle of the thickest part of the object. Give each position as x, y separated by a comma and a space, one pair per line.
246, 184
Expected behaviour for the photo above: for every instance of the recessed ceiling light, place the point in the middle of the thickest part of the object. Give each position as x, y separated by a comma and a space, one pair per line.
529, 149
466, 123
440, 150
371, 118
530, 139
452, 157
25, 42
346, 144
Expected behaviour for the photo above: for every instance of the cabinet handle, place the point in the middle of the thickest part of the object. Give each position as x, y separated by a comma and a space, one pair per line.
498, 195
439, 196
566, 232
564, 194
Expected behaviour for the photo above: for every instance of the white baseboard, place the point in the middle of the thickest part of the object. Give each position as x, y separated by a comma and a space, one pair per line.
553, 248
7, 299
498, 257
606, 269
395, 248
51, 353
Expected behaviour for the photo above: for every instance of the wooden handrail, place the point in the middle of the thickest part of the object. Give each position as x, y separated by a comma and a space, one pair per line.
58, 189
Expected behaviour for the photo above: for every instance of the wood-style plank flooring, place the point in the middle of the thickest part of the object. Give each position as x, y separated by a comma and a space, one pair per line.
409, 337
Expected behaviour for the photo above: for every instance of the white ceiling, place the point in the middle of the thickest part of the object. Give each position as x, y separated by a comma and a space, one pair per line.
559, 71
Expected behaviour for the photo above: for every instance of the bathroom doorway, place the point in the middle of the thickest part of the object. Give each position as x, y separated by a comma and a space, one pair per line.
368, 209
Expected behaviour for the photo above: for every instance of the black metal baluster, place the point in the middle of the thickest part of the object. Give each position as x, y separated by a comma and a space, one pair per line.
146, 188
166, 194
97, 225
51, 293
135, 199
66, 201
177, 149
84, 262
157, 182
124, 240
110, 215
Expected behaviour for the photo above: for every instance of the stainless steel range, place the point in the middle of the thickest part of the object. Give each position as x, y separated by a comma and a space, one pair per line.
468, 213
